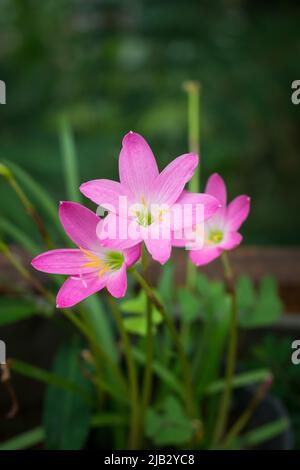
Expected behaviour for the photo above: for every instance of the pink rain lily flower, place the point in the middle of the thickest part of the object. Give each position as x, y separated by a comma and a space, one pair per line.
144, 188
221, 230
91, 267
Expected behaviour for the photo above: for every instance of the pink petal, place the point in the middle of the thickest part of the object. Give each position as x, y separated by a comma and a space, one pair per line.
137, 165
216, 187
119, 233
75, 289
187, 204
204, 256
160, 250
132, 255
231, 240
169, 185
64, 261
117, 282
237, 212
106, 193
80, 224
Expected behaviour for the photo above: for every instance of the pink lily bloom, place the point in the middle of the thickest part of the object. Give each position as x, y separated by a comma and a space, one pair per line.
221, 230
91, 267
152, 198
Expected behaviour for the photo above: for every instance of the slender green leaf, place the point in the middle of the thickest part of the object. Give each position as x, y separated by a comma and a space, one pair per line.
99, 321
108, 419
262, 434
13, 310
18, 236
162, 372
49, 378
70, 163
67, 416
240, 380
25, 440
168, 425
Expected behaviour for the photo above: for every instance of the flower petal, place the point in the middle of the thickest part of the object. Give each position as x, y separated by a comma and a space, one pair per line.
119, 233
106, 193
193, 208
75, 289
160, 250
137, 165
231, 240
80, 224
133, 254
205, 255
169, 184
215, 186
66, 261
237, 212
117, 282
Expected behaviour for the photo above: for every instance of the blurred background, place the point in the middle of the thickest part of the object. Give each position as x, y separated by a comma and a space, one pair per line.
116, 65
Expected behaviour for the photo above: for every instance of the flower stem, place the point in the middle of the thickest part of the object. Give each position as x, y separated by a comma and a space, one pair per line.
189, 395
192, 89
224, 409
134, 438
242, 421
29, 207
147, 381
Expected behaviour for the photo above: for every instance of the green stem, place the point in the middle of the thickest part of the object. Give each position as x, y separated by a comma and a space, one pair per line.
134, 438
224, 409
29, 207
192, 89
189, 395
147, 382
242, 421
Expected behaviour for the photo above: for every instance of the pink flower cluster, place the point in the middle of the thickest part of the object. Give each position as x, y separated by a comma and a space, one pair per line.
155, 210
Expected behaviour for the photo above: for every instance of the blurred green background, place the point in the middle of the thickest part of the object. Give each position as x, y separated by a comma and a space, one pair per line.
116, 65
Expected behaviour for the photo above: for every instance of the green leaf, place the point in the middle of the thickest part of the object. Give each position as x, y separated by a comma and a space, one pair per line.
165, 284
67, 416
212, 347
13, 310
267, 309
25, 440
18, 236
189, 305
39, 194
169, 425
240, 380
70, 163
47, 377
99, 320
136, 323
165, 374
262, 434
245, 294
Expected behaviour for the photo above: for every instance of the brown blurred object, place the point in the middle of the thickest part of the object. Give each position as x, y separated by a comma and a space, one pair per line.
283, 263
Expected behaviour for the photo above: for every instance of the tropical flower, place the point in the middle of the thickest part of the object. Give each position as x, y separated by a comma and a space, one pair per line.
153, 199
91, 267
221, 230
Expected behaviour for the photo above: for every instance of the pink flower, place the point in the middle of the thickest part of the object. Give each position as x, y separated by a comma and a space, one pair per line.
221, 230
143, 187
90, 267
